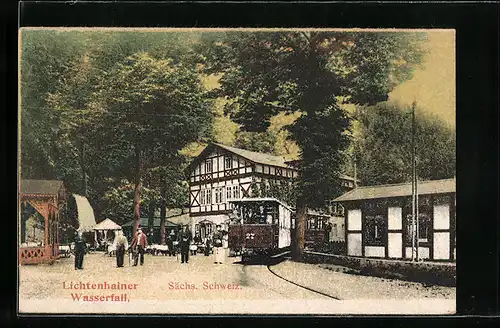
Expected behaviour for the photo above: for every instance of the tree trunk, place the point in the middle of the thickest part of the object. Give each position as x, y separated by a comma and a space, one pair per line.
163, 214
137, 191
84, 172
300, 229
151, 220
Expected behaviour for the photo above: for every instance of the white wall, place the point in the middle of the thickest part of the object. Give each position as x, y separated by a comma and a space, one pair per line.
395, 241
423, 252
441, 245
374, 251
354, 244
442, 216
354, 220
395, 218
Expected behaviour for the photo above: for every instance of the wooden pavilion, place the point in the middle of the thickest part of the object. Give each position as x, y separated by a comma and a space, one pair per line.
47, 198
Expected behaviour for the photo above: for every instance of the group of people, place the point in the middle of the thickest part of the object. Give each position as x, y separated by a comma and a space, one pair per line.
140, 243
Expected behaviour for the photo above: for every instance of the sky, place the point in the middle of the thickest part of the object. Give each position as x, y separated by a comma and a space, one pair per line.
433, 86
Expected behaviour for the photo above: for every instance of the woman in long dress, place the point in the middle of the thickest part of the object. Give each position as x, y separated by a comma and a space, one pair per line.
225, 243
218, 251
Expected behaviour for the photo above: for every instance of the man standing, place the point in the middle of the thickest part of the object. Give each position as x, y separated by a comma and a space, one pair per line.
121, 244
139, 244
184, 242
79, 251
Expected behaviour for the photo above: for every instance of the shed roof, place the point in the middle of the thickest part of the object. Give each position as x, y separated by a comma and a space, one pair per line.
399, 190
40, 187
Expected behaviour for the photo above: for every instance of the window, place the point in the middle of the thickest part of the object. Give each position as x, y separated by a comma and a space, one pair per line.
208, 166
228, 163
424, 222
208, 197
218, 196
202, 197
375, 230
197, 228
236, 192
335, 232
320, 224
228, 192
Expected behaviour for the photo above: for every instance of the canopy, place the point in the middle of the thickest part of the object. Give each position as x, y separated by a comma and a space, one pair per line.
107, 225
86, 219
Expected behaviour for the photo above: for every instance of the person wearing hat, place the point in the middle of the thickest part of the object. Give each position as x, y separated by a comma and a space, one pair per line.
139, 244
184, 239
80, 247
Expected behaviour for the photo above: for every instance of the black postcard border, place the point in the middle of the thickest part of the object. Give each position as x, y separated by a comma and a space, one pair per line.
477, 32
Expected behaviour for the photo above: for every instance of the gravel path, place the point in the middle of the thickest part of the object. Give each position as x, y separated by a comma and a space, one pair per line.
346, 286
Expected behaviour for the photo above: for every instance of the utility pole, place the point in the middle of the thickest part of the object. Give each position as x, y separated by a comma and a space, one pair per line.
415, 223
355, 174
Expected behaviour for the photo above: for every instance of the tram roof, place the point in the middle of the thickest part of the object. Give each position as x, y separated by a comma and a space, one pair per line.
261, 199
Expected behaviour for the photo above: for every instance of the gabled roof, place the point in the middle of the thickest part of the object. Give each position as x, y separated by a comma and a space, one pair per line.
40, 187
255, 157
444, 186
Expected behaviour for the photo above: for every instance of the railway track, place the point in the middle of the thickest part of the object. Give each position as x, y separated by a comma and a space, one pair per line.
276, 259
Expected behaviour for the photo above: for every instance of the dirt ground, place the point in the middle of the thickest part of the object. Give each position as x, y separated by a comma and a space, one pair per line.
253, 288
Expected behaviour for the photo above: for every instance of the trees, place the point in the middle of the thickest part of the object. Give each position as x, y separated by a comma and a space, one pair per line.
383, 147
144, 111
122, 114
310, 72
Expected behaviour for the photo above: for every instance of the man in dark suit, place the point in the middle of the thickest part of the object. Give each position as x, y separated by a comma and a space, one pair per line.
184, 242
139, 245
80, 248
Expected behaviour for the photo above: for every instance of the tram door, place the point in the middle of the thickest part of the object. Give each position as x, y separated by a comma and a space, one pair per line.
205, 230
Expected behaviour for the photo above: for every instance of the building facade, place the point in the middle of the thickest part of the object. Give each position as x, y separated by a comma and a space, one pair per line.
379, 221
221, 174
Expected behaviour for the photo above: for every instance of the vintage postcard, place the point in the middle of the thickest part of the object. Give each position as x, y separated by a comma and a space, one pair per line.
236, 171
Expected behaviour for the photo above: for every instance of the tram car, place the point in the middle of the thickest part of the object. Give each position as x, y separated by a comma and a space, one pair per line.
259, 227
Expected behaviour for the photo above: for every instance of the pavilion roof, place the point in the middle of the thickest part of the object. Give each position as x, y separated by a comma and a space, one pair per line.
107, 225
431, 187
41, 187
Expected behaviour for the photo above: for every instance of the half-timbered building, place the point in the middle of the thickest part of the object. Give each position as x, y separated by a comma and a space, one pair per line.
221, 174
379, 221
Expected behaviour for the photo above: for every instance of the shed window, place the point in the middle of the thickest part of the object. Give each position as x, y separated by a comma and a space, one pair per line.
424, 224
375, 230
